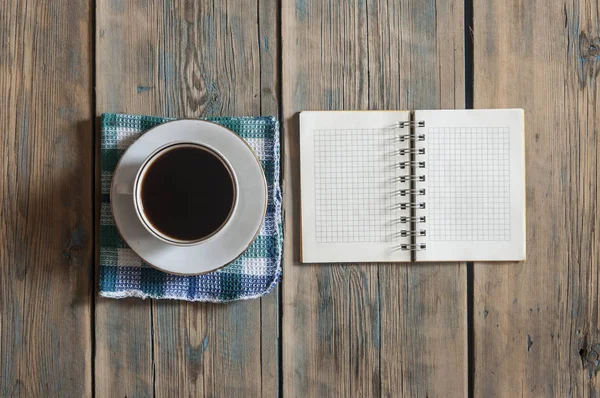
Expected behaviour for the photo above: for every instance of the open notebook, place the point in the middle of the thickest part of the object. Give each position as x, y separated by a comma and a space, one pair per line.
434, 185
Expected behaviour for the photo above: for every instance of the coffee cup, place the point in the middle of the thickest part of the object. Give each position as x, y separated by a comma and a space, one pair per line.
184, 193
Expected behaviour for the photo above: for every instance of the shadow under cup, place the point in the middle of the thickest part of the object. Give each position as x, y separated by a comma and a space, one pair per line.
185, 193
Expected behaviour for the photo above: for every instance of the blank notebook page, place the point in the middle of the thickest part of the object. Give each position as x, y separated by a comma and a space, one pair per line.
475, 185
349, 170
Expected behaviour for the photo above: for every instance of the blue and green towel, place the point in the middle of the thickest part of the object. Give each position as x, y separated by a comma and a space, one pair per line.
253, 274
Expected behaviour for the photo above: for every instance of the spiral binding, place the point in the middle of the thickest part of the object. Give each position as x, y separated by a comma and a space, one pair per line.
410, 137
411, 219
411, 164
409, 205
411, 151
410, 177
410, 123
420, 232
409, 191
413, 246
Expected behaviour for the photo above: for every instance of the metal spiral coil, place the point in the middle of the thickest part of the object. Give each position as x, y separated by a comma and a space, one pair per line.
410, 123
411, 137
411, 163
413, 247
411, 176
409, 205
409, 219
404, 233
409, 191
411, 151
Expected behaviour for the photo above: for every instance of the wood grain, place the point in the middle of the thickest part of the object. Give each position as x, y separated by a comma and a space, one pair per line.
269, 36
537, 331
127, 65
45, 199
187, 59
367, 330
423, 307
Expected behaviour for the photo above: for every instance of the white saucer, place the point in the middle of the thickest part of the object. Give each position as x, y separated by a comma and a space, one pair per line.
228, 243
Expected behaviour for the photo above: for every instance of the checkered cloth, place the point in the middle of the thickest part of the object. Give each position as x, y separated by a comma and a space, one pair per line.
253, 274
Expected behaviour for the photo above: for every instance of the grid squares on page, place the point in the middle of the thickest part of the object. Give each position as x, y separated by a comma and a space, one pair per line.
469, 184
353, 174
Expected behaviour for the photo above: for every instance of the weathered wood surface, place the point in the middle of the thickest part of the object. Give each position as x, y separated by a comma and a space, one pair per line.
537, 330
187, 59
127, 64
368, 330
391, 330
46, 215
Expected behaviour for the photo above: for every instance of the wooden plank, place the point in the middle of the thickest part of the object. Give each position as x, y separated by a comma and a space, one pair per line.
188, 59
45, 199
126, 64
330, 313
351, 330
269, 23
536, 323
423, 307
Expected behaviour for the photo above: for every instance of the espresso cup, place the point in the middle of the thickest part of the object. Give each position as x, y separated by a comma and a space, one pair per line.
184, 193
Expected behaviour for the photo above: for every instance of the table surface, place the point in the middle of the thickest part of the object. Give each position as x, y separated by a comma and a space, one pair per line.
462, 329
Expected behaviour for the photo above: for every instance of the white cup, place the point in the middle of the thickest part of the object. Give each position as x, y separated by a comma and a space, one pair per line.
136, 192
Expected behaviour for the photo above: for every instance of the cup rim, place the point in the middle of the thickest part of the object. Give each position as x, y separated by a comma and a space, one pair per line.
137, 202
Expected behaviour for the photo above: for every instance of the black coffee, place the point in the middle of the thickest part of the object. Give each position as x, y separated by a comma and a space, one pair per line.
187, 193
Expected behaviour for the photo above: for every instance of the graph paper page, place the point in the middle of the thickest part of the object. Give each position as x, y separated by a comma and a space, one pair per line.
475, 185
349, 187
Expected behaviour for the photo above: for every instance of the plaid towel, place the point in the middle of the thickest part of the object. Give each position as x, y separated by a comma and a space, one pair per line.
253, 274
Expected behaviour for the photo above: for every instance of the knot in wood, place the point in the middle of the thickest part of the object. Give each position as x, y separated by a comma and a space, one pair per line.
75, 250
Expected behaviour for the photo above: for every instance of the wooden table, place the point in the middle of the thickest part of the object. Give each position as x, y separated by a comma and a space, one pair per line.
450, 330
